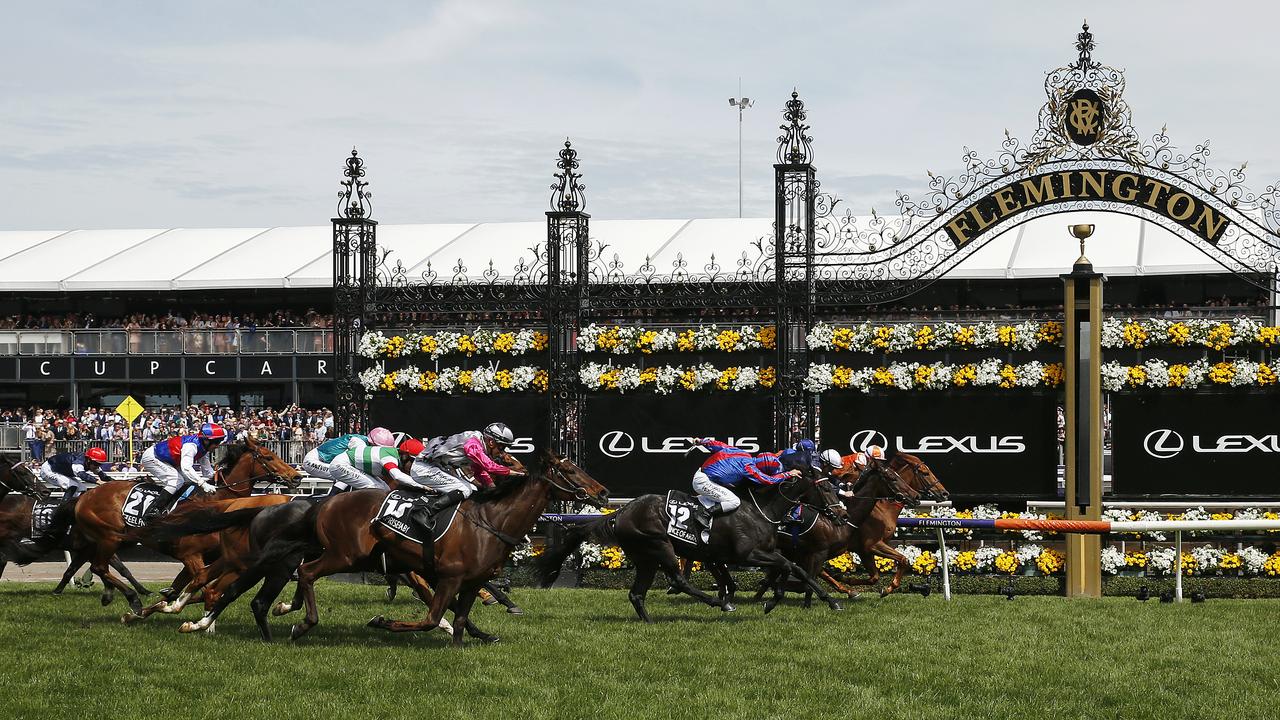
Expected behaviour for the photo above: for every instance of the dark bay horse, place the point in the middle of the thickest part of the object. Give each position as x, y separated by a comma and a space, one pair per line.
100, 521
744, 537
336, 535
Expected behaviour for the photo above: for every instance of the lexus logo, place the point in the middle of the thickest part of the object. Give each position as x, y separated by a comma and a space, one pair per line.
617, 444
1163, 444
863, 439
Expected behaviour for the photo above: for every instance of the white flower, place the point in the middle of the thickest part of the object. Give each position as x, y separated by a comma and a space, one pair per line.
1028, 553
1112, 560
1253, 559
1207, 558
1161, 559
985, 558
590, 554
819, 337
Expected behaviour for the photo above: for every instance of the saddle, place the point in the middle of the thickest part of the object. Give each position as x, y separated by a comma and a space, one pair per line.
397, 515
687, 519
140, 507
42, 517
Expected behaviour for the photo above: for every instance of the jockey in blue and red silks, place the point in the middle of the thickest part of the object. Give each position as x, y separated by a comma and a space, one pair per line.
182, 460
728, 467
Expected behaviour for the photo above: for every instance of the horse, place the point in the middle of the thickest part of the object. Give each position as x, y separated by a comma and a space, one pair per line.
100, 520
875, 531
338, 535
21, 489
743, 537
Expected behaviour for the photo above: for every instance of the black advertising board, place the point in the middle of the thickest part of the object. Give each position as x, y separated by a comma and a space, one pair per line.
204, 367
1189, 443
266, 367
426, 415
315, 367
39, 369
988, 444
91, 368
159, 367
637, 444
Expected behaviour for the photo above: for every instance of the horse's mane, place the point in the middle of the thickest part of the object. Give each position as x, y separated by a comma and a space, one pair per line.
234, 452
504, 487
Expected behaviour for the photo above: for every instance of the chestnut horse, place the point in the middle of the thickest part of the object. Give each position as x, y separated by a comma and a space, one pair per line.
100, 520
338, 534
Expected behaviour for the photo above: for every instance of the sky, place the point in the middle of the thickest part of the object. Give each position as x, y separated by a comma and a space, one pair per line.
240, 114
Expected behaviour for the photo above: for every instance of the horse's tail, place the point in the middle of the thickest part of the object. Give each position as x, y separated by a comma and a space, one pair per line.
289, 535
197, 522
602, 529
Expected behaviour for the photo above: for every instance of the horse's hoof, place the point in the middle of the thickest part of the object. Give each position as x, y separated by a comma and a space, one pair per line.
377, 621
885, 593
106, 600
835, 605
187, 627
492, 639
296, 632
129, 617
391, 594
728, 607
769, 606
57, 592
515, 610
281, 609
491, 600
673, 590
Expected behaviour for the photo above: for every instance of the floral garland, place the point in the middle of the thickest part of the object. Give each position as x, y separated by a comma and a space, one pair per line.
900, 337
665, 379
1155, 373
483, 341
455, 380
621, 340
1213, 334
992, 372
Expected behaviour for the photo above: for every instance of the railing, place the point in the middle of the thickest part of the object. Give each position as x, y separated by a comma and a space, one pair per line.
166, 342
291, 451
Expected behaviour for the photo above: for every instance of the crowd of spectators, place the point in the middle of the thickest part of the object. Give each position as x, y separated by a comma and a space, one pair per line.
47, 431
171, 320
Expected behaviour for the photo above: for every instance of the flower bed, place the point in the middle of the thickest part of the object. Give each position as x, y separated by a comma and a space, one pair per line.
665, 379
483, 341
989, 373
523, 378
1154, 373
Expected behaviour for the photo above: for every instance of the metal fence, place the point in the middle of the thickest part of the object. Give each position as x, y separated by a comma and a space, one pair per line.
166, 342
11, 441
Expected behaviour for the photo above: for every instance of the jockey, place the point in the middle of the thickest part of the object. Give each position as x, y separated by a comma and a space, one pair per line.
728, 467
446, 461
801, 456
830, 461
70, 471
860, 459
370, 466
317, 461
172, 463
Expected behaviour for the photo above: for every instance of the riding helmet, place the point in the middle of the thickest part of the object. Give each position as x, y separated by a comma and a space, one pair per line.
96, 454
831, 458
213, 432
382, 436
499, 433
410, 446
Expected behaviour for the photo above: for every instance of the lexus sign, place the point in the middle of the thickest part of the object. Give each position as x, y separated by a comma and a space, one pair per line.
1194, 443
1009, 449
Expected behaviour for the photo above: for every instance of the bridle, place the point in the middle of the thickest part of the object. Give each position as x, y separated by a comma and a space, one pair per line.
579, 493
935, 486
28, 488
259, 460
827, 509
864, 477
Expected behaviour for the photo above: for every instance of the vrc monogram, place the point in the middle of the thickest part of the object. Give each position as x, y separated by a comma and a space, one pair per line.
1084, 117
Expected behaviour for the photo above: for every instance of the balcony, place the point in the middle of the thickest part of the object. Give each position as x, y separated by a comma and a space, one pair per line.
275, 341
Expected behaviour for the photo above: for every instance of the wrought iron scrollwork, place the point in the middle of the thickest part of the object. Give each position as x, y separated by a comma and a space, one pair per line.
354, 199
567, 194
795, 147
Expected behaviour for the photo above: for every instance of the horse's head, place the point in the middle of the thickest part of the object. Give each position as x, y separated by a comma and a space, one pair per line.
505, 458
570, 482
918, 475
17, 477
249, 462
878, 480
821, 494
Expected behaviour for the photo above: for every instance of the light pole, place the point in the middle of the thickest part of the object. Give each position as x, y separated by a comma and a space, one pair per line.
742, 104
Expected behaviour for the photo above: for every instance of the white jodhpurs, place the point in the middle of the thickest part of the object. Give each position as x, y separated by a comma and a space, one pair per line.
67, 484
163, 473
314, 466
711, 492
440, 479
342, 473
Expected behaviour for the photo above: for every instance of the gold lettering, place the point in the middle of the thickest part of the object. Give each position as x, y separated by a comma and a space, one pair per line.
1094, 180
983, 223
1212, 227
1006, 201
1037, 194
1157, 187
1173, 201
959, 230
1118, 190
1066, 184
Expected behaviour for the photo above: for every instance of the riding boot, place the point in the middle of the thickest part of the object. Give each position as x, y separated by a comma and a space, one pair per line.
422, 515
162, 504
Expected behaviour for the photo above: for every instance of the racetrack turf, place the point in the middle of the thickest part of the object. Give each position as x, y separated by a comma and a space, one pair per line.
582, 654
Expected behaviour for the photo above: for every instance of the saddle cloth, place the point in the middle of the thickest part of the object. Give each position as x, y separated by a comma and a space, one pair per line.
395, 511
42, 516
137, 503
687, 520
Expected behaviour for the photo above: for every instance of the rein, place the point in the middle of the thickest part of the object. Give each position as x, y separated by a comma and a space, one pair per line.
249, 482
483, 524
480, 522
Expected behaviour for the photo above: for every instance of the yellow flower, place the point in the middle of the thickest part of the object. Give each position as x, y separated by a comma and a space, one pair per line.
504, 342
1008, 376
467, 345
1222, 373
1007, 562
688, 379
608, 340
644, 343
427, 381
842, 563
1219, 337
1137, 376
1221, 516
395, 346
541, 379
1134, 336
685, 341
727, 376
728, 340
1007, 335
464, 378
428, 344
1052, 375
540, 341
966, 561
648, 376
768, 337
925, 564
1178, 375
923, 374
1049, 333
1272, 566
842, 338
841, 376
924, 336
609, 378
1050, 561
883, 334
611, 558
884, 564
882, 376
1135, 559
504, 379
1268, 336
388, 382
768, 377
964, 375
1266, 374
1231, 561
964, 336
1189, 564
1178, 333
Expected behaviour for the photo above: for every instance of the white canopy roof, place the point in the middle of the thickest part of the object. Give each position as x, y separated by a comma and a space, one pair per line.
285, 257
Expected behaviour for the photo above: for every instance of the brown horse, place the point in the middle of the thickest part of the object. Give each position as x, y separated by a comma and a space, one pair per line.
24, 489
873, 534
100, 520
338, 534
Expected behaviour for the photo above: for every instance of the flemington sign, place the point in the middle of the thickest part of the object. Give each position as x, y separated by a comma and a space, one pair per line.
1128, 188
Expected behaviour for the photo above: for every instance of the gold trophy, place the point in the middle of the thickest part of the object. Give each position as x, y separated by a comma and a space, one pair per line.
1081, 232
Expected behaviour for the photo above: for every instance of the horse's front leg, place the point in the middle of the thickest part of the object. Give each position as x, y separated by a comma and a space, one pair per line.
900, 561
